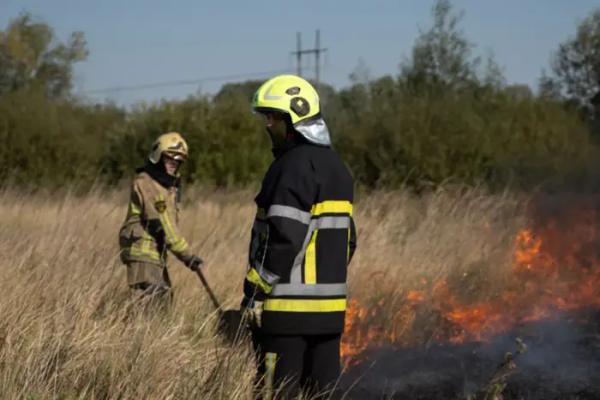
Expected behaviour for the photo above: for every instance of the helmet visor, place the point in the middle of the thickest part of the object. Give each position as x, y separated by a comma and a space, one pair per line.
175, 156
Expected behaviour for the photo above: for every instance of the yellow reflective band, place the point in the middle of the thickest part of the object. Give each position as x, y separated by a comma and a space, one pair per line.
168, 228
152, 256
254, 277
172, 237
145, 248
144, 251
310, 261
299, 305
134, 209
147, 236
332, 207
180, 245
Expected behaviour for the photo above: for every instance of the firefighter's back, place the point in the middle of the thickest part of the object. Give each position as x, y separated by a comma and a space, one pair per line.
312, 299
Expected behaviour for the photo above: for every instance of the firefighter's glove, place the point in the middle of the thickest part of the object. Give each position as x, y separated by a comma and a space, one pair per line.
253, 313
194, 263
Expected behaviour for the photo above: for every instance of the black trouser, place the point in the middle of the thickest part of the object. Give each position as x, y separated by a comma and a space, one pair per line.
288, 364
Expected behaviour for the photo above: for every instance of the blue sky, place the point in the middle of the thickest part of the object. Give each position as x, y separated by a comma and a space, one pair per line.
137, 42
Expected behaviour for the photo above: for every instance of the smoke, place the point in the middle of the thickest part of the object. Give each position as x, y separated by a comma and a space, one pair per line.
552, 304
562, 362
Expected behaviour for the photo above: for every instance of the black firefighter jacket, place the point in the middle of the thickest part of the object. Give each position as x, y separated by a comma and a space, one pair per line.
303, 238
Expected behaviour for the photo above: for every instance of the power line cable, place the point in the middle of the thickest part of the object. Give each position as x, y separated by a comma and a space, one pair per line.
196, 81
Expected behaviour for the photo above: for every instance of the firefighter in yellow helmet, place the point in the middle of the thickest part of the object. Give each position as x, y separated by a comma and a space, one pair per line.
302, 241
150, 228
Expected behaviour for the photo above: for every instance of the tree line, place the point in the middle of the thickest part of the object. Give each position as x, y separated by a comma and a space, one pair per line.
447, 116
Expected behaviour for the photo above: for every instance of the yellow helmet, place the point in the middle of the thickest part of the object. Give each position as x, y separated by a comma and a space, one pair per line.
296, 97
173, 144
289, 94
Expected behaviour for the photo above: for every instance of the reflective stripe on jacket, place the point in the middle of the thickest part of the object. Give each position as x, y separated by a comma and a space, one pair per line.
303, 238
150, 227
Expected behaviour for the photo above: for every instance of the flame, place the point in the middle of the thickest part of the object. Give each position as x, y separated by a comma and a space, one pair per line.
555, 268
415, 296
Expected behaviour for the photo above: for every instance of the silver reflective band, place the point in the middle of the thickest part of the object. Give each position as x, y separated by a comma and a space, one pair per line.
332, 223
318, 223
278, 210
319, 289
267, 275
269, 96
296, 273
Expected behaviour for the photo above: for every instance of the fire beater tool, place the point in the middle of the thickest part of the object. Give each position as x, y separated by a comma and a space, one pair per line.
230, 321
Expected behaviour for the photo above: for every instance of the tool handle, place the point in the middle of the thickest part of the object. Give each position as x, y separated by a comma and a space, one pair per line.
211, 294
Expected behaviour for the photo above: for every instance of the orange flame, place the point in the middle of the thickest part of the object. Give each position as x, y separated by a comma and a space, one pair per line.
554, 269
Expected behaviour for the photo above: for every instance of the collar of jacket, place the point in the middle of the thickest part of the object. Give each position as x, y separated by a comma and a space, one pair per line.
158, 173
289, 144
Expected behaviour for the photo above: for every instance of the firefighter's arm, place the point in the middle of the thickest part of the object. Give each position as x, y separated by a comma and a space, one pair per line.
287, 221
136, 200
162, 226
126, 235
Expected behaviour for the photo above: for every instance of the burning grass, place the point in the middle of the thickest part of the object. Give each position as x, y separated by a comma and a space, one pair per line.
445, 269
540, 263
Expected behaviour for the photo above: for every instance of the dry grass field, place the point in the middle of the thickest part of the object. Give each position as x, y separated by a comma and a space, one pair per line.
66, 330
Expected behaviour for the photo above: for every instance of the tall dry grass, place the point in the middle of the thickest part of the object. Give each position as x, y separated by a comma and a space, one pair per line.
65, 328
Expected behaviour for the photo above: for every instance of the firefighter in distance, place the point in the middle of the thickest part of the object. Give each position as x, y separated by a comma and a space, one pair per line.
151, 228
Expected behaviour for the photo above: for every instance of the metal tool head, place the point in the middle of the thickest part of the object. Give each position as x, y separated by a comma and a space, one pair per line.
232, 326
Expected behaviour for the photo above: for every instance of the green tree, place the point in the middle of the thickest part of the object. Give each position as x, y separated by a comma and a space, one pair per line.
576, 64
444, 118
442, 54
30, 57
